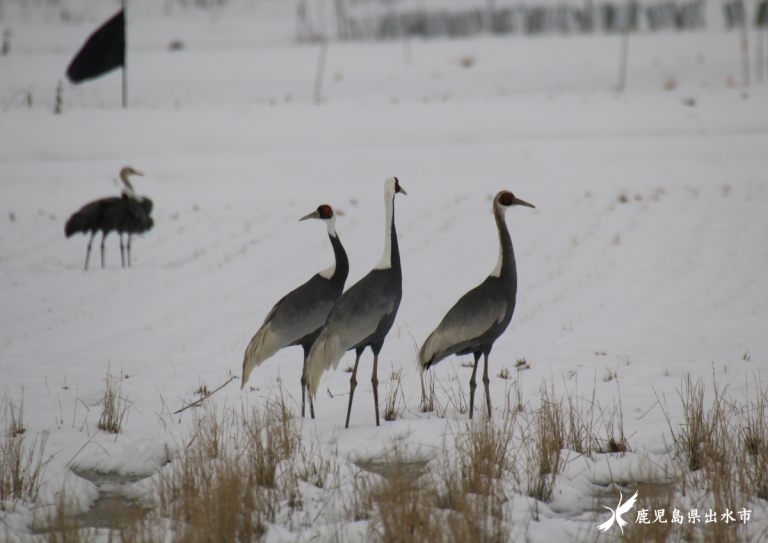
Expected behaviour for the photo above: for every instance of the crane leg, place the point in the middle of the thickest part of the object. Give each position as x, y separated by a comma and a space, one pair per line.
352, 385
88, 252
304, 387
486, 381
473, 384
375, 382
122, 251
129, 249
103, 235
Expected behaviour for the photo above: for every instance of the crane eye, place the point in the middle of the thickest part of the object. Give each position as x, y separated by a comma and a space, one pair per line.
397, 185
506, 199
325, 211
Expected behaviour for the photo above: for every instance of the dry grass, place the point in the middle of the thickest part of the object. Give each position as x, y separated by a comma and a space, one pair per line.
504, 373
392, 409
544, 461
242, 469
63, 526
114, 406
14, 416
401, 514
226, 486
21, 467
580, 423
753, 430
428, 396
616, 441
456, 395
722, 453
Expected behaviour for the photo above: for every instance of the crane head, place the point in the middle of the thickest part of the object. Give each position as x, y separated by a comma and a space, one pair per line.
128, 170
392, 186
506, 199
323, 212
125, 172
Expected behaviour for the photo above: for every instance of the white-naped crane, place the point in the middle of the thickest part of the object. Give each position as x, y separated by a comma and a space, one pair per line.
483, 313
128, 213
364, 314
299, 315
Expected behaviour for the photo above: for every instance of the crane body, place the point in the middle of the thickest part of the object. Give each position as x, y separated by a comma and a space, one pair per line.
364, 314
477, 320
298, 317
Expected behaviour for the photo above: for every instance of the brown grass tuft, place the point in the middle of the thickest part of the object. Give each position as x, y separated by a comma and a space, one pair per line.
544, 460
21, 468
428, 398
114, 406
226, 486
392, 410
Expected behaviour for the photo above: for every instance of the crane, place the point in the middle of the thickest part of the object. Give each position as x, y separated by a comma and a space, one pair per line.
299, 315
477, 320
364, 314
127, 213
131, 216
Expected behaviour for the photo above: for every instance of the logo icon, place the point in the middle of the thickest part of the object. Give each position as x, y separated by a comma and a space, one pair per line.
616, 515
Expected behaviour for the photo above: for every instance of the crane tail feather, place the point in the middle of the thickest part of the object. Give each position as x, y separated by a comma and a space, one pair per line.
263, 345
75, 224
325, 354
428, 354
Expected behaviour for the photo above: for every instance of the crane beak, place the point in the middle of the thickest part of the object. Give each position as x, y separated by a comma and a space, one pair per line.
314, 215
401, 190
518, 202
137, 173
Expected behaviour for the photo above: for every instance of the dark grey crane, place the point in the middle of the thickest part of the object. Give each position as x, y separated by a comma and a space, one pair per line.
299, 316
483, 313
128, 213
364, 314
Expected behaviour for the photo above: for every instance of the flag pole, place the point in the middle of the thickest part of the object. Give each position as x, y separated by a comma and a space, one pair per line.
125, 51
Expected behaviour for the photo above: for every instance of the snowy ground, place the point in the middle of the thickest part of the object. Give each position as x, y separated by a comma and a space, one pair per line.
667, 283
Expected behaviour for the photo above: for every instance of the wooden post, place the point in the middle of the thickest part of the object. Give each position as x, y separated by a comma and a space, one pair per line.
759, 59
623, 59
624, 51
125, 58
320, 70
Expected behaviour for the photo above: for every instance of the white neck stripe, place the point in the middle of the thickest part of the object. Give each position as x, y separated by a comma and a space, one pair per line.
501, 222
389, 205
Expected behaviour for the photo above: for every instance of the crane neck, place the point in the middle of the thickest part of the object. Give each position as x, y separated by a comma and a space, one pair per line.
337, 274
128, 188
124, 179
505, 267
391, 257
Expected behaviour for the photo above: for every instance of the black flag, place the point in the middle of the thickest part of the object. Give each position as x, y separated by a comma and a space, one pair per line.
103, 51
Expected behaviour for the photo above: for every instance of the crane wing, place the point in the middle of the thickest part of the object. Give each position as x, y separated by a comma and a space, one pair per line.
473, 315
297, 314
355, 317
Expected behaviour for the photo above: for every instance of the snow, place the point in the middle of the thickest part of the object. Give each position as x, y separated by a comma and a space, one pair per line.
669, 283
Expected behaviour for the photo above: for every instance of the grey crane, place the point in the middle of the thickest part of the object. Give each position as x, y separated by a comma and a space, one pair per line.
128, 213
299, 315
364, 314
483, 313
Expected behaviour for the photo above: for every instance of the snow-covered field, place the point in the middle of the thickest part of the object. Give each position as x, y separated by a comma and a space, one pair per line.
645, 258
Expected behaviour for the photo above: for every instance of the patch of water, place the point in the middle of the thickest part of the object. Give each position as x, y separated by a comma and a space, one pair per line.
112, 507
388, 469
